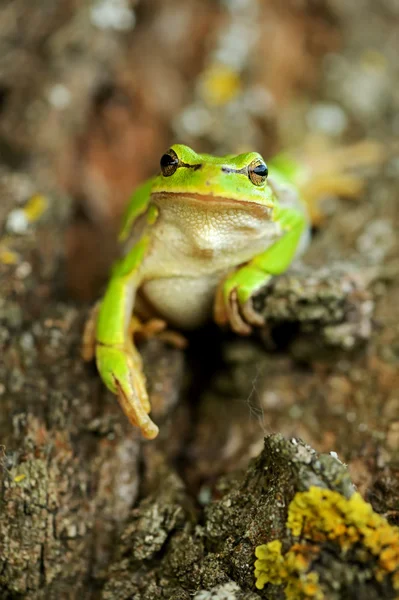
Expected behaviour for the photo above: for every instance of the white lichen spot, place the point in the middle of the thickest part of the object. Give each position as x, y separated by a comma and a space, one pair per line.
27, 341
376, 240
225, 591
205, 495
113, 14
23, 270
271, 399
17, 221
59, 96
335, 455
195, 120
327, 118
235, 45
258, 101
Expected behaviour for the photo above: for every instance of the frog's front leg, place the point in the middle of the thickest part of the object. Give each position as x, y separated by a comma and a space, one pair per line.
118, 360
233, 298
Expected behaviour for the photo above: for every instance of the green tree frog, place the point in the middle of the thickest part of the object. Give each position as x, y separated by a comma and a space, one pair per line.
199, 238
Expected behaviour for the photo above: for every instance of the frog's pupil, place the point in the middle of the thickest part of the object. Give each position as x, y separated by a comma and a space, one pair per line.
168, 161
261, 170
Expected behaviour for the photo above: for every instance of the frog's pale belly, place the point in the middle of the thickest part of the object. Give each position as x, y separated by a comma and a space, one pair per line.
184, 302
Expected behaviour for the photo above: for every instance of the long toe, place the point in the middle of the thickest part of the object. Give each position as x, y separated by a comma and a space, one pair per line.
136, 412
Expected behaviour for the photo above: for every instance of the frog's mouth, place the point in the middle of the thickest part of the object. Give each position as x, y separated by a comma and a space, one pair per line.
210, 202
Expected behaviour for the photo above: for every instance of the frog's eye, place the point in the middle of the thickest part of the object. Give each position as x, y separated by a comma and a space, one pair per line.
169, 163
257, 172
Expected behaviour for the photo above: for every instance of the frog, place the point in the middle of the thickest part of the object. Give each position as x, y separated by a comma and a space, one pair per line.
198, 241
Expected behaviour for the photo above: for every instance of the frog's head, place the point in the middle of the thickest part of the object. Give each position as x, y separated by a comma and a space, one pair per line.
234, 180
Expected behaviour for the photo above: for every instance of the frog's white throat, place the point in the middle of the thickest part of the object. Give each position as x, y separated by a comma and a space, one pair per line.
194, 234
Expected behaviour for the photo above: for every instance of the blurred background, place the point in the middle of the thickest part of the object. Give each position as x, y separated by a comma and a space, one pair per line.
92, 93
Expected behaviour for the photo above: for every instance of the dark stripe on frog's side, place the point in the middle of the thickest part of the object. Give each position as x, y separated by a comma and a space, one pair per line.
195, 167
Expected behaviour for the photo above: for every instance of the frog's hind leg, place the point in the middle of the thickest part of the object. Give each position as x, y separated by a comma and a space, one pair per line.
320, 170
157, 328
337, 171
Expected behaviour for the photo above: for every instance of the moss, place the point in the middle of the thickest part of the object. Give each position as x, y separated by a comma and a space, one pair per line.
325, 520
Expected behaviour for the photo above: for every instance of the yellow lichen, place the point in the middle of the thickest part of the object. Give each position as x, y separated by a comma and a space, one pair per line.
304, 587
270, 566
35, 207
219, 84
319, 516
8, 257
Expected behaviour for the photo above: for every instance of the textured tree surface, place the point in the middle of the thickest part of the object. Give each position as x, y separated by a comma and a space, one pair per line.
89, 510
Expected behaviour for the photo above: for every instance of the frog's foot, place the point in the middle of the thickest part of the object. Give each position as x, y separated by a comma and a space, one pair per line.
156, 328
336, 171
121, 370
345, 184
232, 306
88, 347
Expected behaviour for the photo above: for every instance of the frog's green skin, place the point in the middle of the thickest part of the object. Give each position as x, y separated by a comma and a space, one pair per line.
205, 235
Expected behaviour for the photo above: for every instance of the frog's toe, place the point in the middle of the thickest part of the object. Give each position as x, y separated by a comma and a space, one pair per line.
147, 329
236, 318
137, 378
136, 410
227, 310
250, 315
173, 338
157, 328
